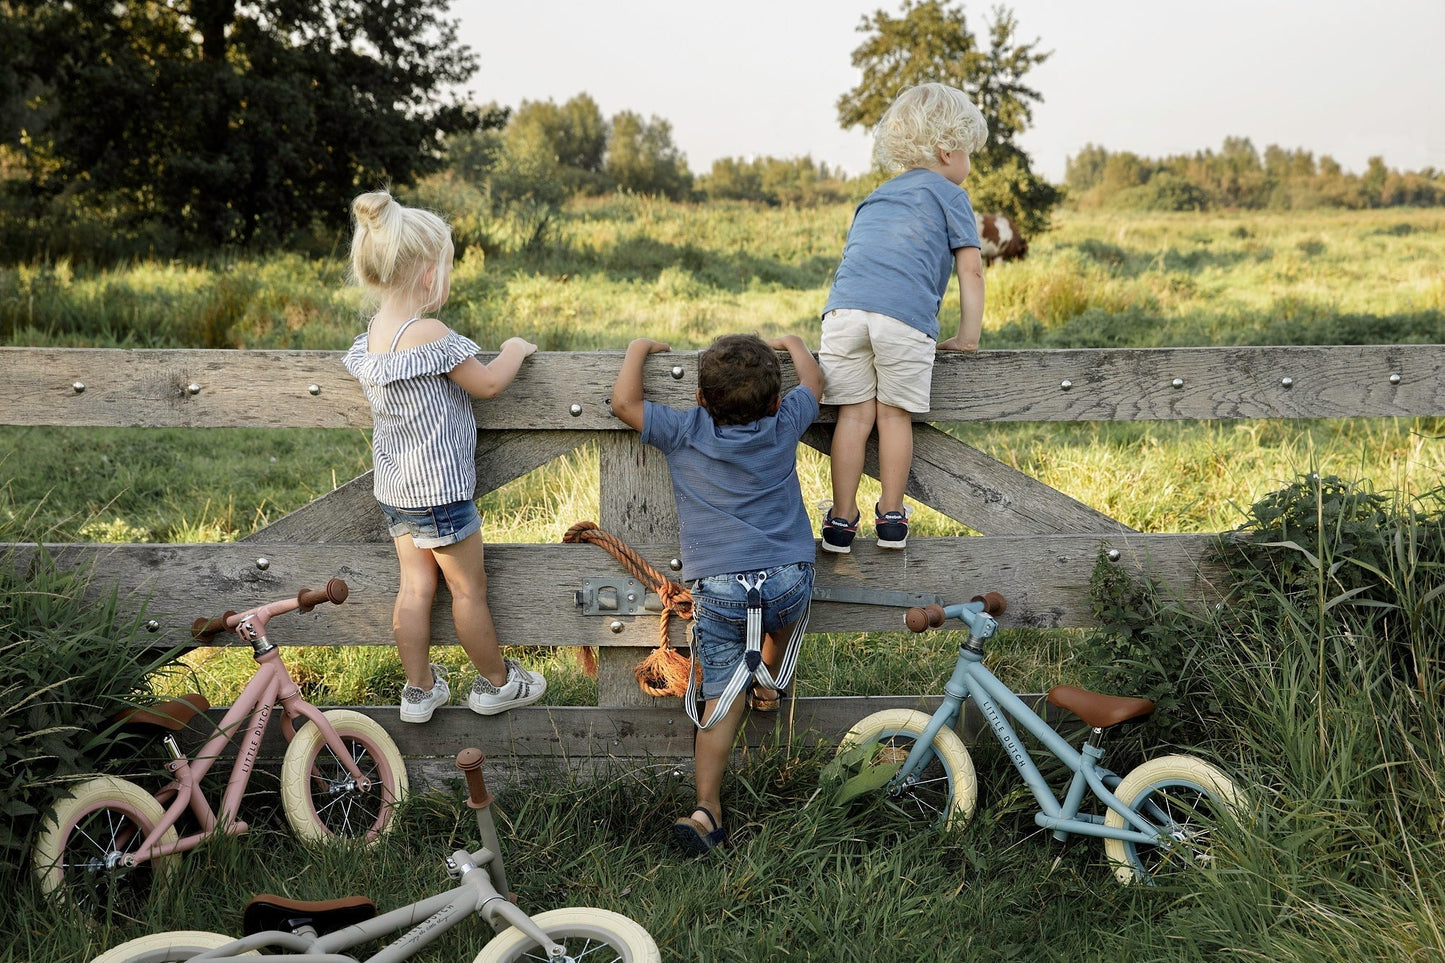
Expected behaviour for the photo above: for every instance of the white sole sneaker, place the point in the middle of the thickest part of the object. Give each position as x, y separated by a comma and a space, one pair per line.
417, 705
523, 687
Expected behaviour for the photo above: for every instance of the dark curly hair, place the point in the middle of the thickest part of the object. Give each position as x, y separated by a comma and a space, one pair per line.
739, 378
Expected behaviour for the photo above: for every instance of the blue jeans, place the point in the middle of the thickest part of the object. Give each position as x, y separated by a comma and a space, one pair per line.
433, 527
720, 613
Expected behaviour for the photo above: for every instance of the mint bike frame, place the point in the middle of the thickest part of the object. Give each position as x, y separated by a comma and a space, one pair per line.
271, 685
998, 703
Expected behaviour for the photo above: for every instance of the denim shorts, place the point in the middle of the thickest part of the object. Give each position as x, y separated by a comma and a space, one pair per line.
720, 614
433, 527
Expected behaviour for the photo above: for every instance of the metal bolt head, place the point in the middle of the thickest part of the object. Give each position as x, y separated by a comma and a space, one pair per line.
575, 410
1286, 382
193, 388
314, 389
152, 625
1066, 384
1177, 382
616, 627
263, 563
677, 372
675, 564
1113, 555
1395, 378
78, 387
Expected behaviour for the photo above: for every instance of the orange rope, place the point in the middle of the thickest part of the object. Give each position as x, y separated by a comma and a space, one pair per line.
664, 671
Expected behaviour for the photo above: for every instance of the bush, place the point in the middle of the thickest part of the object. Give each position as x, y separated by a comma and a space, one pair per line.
69, 661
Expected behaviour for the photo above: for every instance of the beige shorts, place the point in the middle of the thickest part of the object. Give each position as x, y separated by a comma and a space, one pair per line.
866, 355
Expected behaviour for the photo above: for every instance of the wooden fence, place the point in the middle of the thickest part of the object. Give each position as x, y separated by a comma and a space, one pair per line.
1036, 545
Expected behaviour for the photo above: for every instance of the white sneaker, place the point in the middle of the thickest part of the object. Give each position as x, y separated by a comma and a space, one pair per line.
418, 704
522, 688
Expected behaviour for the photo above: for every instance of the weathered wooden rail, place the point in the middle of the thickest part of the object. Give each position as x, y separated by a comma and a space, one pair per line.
1037, 545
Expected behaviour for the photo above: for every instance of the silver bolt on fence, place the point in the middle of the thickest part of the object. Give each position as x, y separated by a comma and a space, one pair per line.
1395, 378
1066, 384
1114, 555
152, 625
616, 628
193, 388
1178, 382
263, 563
314, 389
1286, 382
78, 387
677, 372
675, 564
575, 410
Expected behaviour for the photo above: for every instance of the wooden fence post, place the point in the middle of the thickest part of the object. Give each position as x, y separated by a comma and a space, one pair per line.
635, 504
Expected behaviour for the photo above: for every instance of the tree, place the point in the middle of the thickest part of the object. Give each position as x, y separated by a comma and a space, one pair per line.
641, 157
932, 42
235, 122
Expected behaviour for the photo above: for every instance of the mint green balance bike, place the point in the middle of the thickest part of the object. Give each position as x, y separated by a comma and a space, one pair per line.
1156, 821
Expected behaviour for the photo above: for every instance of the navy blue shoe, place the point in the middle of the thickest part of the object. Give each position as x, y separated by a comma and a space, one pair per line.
838, 532
892, 527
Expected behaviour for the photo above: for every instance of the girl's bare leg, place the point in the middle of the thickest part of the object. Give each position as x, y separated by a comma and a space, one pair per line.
462, 565
411, 615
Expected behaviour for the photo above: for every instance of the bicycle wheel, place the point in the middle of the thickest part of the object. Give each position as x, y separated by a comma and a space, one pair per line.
320, 797
944, 790
595, 935
173, 947
77, 856
1183, 796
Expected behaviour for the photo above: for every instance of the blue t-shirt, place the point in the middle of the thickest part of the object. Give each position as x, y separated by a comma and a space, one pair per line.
899, 253
739, 504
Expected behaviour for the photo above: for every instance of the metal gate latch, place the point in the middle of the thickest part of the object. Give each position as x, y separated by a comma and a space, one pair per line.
612, 596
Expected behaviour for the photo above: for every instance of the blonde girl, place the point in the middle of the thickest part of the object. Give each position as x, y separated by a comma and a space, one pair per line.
420, 378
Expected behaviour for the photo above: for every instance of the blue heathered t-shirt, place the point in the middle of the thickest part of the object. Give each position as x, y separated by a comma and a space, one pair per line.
899, 253
739, 504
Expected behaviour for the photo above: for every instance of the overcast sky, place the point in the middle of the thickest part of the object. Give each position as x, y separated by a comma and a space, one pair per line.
747, 78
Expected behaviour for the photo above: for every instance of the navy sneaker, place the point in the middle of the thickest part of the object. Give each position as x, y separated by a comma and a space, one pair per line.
892, 527
838, 532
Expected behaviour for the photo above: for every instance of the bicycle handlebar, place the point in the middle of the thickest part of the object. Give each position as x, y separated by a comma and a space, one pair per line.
931, 617
335, 592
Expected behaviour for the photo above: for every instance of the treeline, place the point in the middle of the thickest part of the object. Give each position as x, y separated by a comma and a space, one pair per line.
548, 152
1239, 177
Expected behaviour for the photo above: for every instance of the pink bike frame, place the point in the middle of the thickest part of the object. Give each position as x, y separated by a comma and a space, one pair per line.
272, 684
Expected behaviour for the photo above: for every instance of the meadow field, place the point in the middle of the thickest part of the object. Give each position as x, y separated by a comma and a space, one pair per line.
1341, 854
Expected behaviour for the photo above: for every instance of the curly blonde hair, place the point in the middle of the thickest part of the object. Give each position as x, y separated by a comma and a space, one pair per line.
924, 119
393, 246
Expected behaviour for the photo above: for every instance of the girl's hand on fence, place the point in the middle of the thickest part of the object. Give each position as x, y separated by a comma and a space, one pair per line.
519, 344
653, 347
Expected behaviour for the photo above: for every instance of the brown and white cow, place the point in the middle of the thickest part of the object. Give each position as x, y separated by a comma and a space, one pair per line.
1001, 239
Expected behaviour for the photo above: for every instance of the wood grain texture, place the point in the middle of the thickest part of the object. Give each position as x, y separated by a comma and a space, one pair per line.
533, 588
148, 388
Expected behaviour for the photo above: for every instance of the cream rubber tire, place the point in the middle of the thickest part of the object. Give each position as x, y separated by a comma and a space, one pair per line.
173, 947
584, 931
947, 789
1185, 791
316, 790
111, 815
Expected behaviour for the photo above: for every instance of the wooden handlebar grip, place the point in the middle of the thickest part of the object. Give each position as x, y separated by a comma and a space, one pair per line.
335, 592
204, 630
469, 761
993, 603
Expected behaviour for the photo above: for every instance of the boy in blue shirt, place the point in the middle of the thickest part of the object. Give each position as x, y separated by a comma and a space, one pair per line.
880, 325
744, 531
